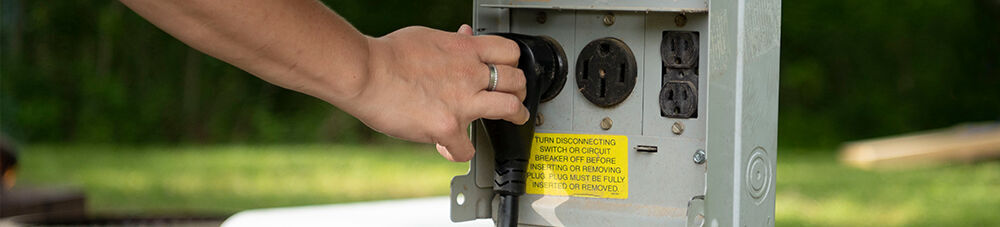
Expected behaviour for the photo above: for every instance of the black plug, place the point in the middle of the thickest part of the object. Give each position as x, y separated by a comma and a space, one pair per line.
544, 64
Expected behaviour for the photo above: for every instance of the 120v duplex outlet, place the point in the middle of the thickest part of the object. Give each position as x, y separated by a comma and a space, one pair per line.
606, 71
679, 99
679, 84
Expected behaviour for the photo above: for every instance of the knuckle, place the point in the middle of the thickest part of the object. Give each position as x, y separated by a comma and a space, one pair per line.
509, 45
411, 29
457, 44
512, 49
471, 69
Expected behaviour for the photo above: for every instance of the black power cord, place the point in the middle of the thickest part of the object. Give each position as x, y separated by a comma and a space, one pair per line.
544, 65
508, 211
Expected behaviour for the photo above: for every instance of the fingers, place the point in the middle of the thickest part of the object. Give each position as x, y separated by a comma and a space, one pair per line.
496, 50
509, 80
465, 29
496, 105
456, 146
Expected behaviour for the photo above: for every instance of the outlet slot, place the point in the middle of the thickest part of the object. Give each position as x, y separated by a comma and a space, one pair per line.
606, 72
679, 82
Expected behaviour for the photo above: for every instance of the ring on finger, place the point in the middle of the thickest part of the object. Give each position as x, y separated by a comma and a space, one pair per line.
493, 78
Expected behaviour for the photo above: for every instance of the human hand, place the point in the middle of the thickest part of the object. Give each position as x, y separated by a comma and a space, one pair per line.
417, 83
427, 85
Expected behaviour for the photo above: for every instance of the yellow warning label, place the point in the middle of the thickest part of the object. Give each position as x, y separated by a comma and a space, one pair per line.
579, 165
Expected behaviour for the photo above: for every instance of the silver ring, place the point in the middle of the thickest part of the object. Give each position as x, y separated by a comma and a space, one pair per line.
493, 77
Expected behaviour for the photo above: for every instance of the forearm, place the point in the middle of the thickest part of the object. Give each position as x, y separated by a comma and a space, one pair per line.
297, 44
416, 83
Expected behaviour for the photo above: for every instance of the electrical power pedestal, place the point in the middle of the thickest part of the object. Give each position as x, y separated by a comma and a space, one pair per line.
668, 115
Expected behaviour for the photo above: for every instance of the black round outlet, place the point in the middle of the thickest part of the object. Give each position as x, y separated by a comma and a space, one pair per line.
559, 72
606, 71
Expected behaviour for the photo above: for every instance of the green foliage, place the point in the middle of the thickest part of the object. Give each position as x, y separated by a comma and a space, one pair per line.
858, 69
93, 71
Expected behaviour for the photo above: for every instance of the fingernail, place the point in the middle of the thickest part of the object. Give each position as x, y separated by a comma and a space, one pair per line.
464, 27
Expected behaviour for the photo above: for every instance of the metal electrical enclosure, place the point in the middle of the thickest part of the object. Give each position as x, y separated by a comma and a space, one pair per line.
680, 96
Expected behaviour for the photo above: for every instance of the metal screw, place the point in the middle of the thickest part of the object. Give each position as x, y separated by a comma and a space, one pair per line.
541, 17
609, 19
699, 156
680, 20
606, 123
677, 128
539, 119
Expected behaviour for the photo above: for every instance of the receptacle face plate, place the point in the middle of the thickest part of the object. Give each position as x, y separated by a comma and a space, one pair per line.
658, 125
660, 183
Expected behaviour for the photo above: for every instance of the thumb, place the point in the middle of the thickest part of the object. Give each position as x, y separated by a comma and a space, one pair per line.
456, 147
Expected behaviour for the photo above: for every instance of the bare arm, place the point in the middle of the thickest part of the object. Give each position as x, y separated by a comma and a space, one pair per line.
417, 84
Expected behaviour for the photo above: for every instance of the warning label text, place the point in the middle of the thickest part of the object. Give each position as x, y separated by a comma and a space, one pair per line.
579, 165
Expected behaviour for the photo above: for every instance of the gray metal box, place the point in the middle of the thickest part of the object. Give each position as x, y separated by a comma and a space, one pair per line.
714, 167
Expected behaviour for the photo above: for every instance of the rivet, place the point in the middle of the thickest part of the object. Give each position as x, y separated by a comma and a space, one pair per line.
541, 17
539, 119
606, 123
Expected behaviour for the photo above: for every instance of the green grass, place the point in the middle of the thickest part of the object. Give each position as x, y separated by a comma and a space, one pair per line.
220, 180
813, 189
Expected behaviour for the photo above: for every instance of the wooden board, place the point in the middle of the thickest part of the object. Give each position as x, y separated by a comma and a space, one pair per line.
963, 143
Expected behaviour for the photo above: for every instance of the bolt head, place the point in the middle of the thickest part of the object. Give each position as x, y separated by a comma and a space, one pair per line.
609, 19
606, 123
677, 128
541, 17
699, 156
680, 20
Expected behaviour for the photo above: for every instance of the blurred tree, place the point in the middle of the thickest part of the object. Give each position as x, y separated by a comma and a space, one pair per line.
857, 69
95, 72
